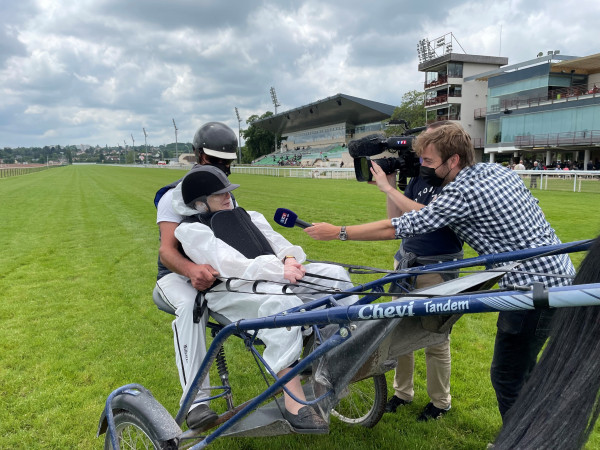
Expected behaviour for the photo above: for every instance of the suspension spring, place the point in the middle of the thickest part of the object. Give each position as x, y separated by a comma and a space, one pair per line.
222, 364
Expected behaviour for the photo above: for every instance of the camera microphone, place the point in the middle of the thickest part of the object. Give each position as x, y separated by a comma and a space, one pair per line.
287, 218
366, 146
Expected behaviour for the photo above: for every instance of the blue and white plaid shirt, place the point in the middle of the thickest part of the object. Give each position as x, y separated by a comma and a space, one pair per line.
489, 207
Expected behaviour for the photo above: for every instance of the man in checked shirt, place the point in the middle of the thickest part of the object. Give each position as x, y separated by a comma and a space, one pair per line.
489, 207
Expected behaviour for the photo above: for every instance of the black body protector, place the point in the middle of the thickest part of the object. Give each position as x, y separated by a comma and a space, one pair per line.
236, 229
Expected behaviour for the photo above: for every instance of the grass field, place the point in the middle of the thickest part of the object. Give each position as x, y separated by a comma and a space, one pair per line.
78, 254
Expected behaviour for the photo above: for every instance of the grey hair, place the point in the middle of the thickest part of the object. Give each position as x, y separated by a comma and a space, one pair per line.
201, 204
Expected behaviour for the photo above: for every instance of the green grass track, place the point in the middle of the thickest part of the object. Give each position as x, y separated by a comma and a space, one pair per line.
78, 248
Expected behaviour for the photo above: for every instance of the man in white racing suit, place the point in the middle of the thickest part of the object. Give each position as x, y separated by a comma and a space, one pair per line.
179, 279
243, 246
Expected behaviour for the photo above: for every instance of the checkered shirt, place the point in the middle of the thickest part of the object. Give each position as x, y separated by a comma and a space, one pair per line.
489, 207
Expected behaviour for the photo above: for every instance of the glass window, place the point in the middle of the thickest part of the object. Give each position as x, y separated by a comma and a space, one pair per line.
324, 134
548, 122
455, 69
492, 132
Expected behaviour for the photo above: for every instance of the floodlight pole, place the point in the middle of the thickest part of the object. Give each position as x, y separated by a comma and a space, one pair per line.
133, 146
239, 136
275, 104
145, 145
176, 154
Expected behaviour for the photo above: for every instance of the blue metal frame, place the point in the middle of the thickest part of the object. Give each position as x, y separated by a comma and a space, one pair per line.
580, 295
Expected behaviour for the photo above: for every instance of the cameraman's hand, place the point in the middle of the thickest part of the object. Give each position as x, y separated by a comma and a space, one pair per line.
382, 179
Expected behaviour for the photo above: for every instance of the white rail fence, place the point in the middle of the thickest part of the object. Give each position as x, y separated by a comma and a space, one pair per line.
551, 180
562, 180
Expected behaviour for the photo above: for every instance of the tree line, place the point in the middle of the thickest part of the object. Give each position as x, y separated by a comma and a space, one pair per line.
258, 142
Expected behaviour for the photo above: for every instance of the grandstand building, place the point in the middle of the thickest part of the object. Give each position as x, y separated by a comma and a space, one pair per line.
450, 93
316, 134
545, 109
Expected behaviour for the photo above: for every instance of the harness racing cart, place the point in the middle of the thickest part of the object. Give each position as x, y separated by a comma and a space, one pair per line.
346, 356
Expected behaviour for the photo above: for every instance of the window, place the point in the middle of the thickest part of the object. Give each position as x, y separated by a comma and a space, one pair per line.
455, 69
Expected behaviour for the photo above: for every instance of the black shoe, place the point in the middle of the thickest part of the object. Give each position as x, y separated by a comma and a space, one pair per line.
200, 417
431, 412
394, 403
307, 420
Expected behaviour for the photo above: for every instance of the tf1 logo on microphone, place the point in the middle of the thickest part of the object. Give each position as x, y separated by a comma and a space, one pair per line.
284, 218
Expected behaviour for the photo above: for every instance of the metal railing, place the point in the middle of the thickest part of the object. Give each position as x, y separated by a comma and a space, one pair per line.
335, 173
444, 117
442, 79
553, 96
6, 172
479, 113
558, 139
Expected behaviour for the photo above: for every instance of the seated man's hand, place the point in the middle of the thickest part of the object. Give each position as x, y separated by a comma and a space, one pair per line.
293, 270
202, 276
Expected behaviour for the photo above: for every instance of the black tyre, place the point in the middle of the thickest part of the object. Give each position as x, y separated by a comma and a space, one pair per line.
365, 403
132, 433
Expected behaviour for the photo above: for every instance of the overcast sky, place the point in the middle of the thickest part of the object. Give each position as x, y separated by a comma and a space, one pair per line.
96, 71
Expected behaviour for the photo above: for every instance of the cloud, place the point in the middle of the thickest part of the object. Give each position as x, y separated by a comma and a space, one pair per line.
96, 71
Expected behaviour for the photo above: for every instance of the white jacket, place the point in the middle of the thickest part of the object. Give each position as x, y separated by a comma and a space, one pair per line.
201, 246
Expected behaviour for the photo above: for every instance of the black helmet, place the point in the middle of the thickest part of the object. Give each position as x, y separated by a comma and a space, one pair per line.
203, 181
216, 139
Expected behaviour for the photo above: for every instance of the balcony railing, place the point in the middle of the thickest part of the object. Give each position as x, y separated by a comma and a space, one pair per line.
444, 117
436, 100
443, 79
479, 113
559, 139
478, 143
554, 95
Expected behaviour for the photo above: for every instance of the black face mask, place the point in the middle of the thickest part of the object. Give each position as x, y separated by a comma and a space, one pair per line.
219, 165
430, 177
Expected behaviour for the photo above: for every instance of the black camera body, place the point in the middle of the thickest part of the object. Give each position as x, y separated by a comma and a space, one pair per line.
402, 160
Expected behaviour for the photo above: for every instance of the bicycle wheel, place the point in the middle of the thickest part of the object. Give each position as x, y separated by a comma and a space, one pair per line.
133, 434
365, 403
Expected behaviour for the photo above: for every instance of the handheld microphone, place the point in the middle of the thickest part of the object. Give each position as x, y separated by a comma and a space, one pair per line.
287, 218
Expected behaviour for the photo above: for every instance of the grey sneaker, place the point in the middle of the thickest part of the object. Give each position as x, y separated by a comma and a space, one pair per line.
431, 412
201, 416
306, 421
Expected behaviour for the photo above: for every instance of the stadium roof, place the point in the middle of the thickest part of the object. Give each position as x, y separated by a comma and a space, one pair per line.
331, 110
532, 62
586, 65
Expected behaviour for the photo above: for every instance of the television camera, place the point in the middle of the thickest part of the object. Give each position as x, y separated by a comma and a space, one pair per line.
400, 155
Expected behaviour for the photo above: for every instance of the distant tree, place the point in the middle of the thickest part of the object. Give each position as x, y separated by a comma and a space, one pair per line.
412, 110
259, 141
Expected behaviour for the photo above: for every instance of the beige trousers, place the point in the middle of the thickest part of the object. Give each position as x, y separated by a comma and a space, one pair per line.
437, 360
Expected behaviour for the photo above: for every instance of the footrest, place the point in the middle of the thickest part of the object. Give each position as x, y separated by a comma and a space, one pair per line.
267, 420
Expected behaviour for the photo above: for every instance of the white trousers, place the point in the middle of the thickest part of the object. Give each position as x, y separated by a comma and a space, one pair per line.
189, 338
282, 347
